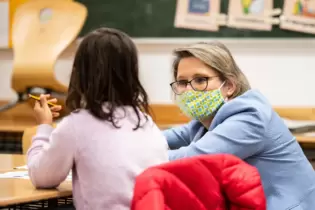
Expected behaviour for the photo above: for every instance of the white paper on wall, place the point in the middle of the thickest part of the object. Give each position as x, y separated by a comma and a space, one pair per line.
4, 23
298, 15
199, 15
252, 14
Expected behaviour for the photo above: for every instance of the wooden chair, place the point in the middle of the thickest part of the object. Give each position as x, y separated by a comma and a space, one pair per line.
167, 115
305, 114
37, 42
296, 113
42, 30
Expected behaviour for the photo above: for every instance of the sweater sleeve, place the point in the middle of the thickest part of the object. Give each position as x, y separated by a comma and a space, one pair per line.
51, 155
240, 135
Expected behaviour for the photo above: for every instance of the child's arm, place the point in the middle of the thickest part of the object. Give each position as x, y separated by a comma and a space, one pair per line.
50, 157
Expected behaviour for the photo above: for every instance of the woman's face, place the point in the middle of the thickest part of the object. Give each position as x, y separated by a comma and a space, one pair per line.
192, 68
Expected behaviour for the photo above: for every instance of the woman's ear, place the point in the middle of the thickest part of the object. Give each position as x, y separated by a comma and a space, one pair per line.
230, 88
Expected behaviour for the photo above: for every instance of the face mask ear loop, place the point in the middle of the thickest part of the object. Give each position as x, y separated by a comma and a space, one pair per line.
226, 99
222, 85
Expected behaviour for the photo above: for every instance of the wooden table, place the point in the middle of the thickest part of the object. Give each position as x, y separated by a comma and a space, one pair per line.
17, 191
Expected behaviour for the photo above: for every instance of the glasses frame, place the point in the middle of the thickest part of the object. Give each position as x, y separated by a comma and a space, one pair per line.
189, 82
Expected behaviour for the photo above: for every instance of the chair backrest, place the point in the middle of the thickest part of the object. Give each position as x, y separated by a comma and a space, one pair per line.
42, 30
167, 115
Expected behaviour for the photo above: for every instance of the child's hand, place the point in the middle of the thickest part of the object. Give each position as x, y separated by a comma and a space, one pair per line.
43, 113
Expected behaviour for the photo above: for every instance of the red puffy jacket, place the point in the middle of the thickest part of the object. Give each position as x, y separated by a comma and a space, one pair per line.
206, 182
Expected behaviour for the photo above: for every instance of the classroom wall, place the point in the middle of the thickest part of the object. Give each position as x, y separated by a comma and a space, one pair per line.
282, 69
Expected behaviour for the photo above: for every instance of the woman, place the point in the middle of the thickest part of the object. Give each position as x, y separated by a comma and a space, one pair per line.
229, 117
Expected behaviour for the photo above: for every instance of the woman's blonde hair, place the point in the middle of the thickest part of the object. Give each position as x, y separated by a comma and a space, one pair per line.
219, 58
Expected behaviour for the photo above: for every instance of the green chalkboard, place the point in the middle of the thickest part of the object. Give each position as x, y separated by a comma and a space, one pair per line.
155, 18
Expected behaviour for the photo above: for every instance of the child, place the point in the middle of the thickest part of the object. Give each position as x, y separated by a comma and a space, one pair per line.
107, 140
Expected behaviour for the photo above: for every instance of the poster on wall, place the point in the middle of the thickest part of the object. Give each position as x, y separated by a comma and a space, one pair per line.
252, 14
199, 15
298, 15
4, 24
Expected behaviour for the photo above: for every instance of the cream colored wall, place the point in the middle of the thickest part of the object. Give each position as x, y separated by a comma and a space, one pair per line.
282, 69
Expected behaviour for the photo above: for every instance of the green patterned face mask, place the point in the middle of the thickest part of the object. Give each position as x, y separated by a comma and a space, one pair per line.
200, 104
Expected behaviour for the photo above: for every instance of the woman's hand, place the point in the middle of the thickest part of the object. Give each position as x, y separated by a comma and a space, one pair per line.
45, 114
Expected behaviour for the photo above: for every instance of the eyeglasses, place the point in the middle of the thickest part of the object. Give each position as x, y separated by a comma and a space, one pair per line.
197, 84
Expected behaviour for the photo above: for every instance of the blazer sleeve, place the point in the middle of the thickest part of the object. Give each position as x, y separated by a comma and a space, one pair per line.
178, 137
240, 135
